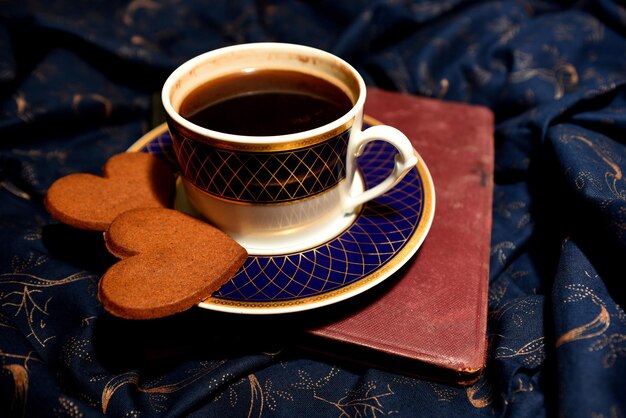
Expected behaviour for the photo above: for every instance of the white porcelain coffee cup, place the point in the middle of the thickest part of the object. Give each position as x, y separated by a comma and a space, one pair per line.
260, 207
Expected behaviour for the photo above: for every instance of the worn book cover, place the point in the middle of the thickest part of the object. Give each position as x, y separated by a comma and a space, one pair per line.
429, 319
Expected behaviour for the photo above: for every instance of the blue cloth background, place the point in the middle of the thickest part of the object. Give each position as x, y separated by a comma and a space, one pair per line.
76, 81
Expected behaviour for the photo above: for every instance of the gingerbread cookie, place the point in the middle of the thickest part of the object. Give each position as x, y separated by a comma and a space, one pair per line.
131, 180
170, 262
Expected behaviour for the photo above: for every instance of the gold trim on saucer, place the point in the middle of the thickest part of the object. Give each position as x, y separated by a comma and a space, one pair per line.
361, 285
148, 137
385, 270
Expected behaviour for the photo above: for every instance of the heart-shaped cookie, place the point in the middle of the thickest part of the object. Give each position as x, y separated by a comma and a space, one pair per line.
170, 262
130, 180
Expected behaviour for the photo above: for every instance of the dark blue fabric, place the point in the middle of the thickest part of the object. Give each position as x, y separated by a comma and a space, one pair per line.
76, 81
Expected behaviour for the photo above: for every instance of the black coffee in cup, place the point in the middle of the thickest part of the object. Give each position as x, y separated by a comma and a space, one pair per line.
265, 102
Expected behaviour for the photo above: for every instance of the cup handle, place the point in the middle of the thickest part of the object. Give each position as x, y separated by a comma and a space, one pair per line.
405, 160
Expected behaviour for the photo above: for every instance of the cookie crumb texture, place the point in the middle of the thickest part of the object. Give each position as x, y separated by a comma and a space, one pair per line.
130, 180
170, 263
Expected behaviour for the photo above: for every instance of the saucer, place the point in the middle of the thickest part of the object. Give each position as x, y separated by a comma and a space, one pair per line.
383, 236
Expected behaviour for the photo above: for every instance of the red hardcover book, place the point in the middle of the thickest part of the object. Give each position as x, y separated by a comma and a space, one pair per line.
429, 319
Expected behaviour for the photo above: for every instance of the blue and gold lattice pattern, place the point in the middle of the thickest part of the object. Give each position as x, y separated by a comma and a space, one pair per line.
263, 177
380, 232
